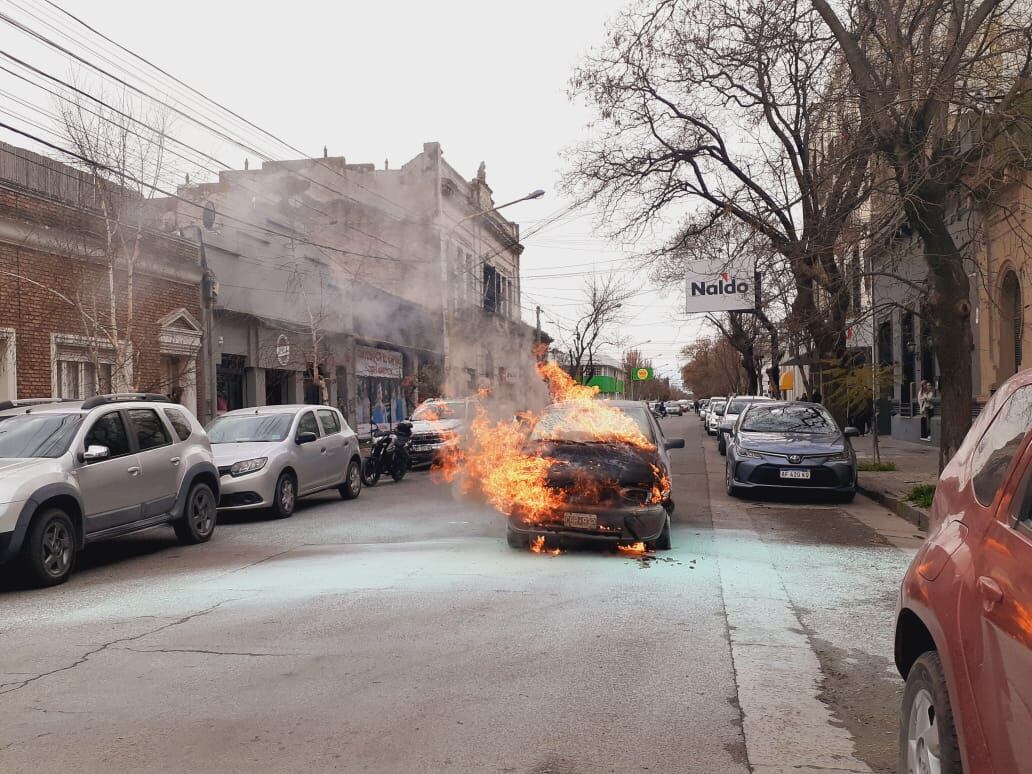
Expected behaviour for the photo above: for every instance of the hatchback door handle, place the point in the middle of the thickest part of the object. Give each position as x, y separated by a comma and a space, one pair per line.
174, 460
134, 471
991, 592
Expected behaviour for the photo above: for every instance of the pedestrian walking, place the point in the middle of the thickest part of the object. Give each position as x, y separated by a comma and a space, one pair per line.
926, 407
816, 397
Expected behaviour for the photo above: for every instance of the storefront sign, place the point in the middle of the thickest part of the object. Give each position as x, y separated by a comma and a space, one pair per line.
381, 363
712, 286
282, 350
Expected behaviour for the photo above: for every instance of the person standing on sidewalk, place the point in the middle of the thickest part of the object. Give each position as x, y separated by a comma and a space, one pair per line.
926, 407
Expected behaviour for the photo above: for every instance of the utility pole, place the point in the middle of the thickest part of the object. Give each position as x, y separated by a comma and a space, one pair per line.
537, 328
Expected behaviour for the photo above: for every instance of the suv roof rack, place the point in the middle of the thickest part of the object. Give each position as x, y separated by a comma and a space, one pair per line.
124, 397
18, 403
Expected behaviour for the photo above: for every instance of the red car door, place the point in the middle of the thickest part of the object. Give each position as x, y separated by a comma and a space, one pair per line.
1003, 582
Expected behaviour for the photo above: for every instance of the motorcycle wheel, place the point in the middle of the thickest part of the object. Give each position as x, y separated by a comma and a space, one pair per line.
370, 472
400, 466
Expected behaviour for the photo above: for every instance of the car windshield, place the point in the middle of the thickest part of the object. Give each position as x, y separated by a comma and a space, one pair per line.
787, 419
575, 426
250, 428
37, 435
438, 410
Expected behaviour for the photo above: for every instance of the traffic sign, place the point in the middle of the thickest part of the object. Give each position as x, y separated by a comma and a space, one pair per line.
641, 374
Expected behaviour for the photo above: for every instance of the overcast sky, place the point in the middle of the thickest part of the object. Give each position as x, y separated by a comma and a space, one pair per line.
375, 80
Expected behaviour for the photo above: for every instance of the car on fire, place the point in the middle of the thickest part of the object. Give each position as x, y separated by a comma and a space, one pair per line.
436, 425
613, 489
963, 640
790, 445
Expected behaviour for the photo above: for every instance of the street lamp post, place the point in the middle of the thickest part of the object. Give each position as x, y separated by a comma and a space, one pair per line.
443, 254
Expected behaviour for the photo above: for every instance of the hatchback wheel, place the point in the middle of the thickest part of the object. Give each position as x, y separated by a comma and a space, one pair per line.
197, 524
927, 736
352, 486
285, 497
49, 549
662, 543
515, 539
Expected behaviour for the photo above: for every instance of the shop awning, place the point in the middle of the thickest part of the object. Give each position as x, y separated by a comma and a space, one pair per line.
787, 381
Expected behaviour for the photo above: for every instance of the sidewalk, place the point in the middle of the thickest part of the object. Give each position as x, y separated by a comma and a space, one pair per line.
916, 463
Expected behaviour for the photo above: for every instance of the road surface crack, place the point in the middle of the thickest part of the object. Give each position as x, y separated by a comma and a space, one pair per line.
19, 684
202, 650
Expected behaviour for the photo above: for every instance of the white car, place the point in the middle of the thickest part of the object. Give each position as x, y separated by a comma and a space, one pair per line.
673, 407
437, 425
267, 457
713, 414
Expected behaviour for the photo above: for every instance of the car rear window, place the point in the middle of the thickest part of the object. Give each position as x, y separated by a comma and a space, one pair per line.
330, 422
179, 423
997, 447
150, 430
737, 406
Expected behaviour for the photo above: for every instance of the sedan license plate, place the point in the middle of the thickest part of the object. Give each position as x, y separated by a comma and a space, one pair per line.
800, 474
421, 447
580, 520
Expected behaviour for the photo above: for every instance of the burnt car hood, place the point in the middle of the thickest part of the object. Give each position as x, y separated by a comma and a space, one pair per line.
622, 464
793, 443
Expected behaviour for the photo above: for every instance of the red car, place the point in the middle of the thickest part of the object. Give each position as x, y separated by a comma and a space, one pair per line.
964, 630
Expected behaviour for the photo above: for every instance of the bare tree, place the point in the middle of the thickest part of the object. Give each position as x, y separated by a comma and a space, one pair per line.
713, 367
603, 302
943, 91
731, 109
121, 143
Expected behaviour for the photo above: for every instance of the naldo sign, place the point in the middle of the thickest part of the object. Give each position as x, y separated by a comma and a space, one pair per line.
713, 286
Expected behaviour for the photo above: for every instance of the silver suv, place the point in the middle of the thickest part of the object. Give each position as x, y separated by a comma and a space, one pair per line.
270, 456
73, 472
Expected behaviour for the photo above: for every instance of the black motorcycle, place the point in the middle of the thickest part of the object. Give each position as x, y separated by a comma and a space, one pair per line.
389, 454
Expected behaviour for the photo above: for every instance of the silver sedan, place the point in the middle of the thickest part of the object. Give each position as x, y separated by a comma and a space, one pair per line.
268, 457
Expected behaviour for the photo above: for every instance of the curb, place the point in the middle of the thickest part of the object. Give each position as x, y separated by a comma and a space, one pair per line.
914, 515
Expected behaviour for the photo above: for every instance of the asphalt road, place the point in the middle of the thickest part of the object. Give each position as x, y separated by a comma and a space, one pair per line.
399, 634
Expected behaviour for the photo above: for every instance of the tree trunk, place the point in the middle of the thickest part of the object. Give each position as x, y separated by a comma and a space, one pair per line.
949, 301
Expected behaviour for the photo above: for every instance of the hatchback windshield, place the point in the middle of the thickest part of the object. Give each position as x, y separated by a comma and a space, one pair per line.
574, 426
250, 428
433, 412
787, 419
37, 435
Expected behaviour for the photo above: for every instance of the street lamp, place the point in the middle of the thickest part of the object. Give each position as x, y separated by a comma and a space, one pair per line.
537, 193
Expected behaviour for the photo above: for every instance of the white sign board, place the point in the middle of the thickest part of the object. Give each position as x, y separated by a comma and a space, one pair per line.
381, 363
282, 350
713, 286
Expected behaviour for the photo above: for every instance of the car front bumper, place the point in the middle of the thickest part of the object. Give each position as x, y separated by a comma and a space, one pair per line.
614, 525
426, 453
254, 490
765, 473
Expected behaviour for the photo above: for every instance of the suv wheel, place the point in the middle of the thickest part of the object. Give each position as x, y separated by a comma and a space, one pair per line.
927, 736
197, 523
285, 497
352, 486
49, 549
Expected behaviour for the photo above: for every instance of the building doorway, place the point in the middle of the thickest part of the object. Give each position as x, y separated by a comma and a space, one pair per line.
1011, 325
276, 382
229, 380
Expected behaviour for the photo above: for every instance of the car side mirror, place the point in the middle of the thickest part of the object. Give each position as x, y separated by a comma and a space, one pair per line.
303, 438
673, 443
95, 452
726, 427
851, 432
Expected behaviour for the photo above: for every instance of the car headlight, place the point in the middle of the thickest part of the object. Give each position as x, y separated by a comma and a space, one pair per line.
743, 452
244, 467
840, 457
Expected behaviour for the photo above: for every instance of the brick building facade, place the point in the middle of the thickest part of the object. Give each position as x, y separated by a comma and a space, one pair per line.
55, 299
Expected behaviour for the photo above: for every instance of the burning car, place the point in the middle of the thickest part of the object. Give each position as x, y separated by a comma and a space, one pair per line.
605, 474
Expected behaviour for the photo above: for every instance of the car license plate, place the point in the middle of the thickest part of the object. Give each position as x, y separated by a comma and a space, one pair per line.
581, 520
800, 474
420, 447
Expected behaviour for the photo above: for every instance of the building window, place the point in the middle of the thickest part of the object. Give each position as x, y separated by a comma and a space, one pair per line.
84, 367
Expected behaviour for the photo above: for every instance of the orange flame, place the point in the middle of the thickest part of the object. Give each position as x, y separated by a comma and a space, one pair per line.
537, 545
492, 459
638, 549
